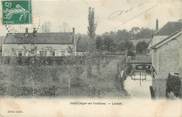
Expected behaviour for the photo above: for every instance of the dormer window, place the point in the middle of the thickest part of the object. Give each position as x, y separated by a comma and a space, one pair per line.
43, 53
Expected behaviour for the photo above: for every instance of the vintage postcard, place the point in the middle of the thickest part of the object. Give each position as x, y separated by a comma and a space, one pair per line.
87, 58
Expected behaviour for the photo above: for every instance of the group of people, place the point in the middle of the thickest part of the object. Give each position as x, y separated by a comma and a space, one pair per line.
173, 86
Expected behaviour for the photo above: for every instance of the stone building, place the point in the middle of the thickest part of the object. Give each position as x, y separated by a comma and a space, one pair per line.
38, 44
166, 51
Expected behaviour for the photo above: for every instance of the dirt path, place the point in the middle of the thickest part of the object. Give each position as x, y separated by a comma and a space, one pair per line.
138, 88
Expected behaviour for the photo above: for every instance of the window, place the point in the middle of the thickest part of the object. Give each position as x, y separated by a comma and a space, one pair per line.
43, 53
20, 53
63, 53
53, 53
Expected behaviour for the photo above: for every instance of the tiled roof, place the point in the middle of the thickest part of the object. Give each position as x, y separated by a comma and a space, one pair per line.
170, 28
39, 38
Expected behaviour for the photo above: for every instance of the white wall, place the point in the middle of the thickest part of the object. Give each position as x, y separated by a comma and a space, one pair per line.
166, 59
157, 39
13, 49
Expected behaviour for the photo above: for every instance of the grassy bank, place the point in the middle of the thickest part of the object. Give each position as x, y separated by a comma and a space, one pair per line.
61, 80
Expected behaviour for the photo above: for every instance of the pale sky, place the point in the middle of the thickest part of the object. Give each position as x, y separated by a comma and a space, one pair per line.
111, 15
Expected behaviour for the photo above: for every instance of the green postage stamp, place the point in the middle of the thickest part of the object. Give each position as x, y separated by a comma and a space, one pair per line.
16, 12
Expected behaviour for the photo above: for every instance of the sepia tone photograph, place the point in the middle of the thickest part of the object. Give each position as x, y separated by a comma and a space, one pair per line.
117, 54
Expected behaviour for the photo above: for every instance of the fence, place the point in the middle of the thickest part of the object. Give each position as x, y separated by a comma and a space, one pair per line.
42, 60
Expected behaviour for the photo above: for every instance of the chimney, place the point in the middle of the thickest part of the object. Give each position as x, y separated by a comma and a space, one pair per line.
26, 32
157, 25
34, 30
73, 30
73, 34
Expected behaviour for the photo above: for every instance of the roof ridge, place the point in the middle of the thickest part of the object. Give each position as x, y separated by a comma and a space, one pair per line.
177, 32
42, 33
40, 38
